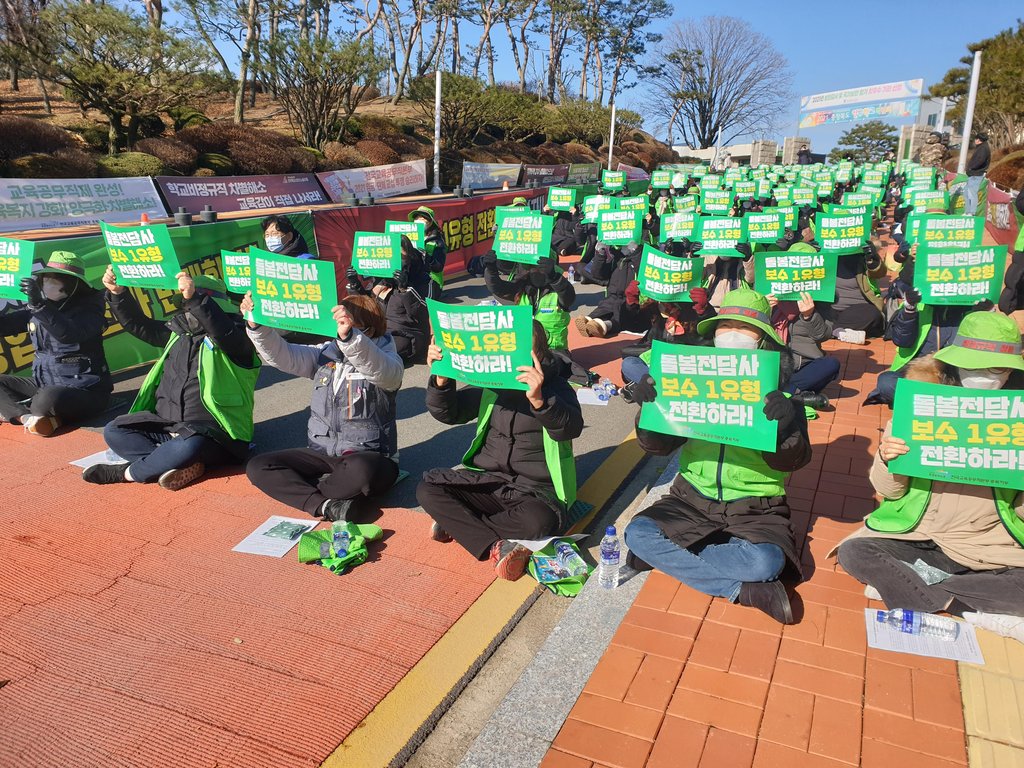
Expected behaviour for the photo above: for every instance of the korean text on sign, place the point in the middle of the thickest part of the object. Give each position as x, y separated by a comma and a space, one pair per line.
236, 270
959, 435
843, 234
713, 394
677, 226
523, 237
561, 198
15, 265
414, 230
720, 234
142, 256
376, 254
941, 231
765, 227
962, 276
293, 294
667, 278
482, 346
786, 275
619, 227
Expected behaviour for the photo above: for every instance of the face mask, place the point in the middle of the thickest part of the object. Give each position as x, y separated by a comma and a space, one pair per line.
54, 289
983, 378
275, 243
735, 340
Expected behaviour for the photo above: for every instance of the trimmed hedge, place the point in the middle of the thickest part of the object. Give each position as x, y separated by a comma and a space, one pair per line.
130, 164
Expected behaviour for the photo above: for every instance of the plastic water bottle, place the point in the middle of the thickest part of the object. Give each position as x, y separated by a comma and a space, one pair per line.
569, 559
608, 386
340, 538
571, 276
601, 391
918, 623
608, 570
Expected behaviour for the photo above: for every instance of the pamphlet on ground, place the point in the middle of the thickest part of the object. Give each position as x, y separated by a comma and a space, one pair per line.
276, 536
884, 637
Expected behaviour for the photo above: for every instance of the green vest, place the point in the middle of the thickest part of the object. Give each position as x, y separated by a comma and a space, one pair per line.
437, 277
557, 455
226, 390
554, 319
902, 515
726, 472
924, 324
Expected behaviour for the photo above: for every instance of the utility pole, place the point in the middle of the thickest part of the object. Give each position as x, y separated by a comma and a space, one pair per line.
972, 97
436, 190
611, 139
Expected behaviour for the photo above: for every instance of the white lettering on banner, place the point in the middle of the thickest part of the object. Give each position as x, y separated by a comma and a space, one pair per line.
10, 248
139, 271
379, 181
482, 363
958, 457
710, 365
690, 412
133, 239
289, 310
968, 407
47, 203
794, 262
300, 270
7, 279
484, 321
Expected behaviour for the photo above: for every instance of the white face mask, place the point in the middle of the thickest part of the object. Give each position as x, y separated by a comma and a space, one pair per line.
53, 289
275, 243
735, 340
983, 378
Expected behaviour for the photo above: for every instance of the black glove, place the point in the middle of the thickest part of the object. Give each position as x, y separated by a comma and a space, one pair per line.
985, 305
778, 407
902, 253
546, 265
489, 260
911, 296
644, 391
352, 277
745, 249
871, 257
30, 287
401, 279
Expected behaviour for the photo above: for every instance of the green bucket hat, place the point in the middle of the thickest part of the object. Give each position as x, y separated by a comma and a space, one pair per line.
519, 201
985, 340
216, 290
424, 211
64, 263
747, 306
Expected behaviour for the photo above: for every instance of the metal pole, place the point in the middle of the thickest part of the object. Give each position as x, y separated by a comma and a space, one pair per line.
942, 115
718, 149
972, 96
436, 190
611, 139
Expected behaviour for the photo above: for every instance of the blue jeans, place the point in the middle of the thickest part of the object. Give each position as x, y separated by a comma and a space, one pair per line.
814, 375
150, 454
714, 569
634, 369
971, 190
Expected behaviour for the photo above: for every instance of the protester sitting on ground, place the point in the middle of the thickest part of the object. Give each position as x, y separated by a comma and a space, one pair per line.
856, 313
802, 327
519, 475
728, 273
434, 248
614, 313
352, 436
724, 527
972, 534
567, 236
194, 408
282, 237
65, 320
1012, 297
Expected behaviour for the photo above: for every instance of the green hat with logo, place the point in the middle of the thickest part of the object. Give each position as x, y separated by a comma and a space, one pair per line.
64, 263
746, 306
985, 340
423, 211
519, 201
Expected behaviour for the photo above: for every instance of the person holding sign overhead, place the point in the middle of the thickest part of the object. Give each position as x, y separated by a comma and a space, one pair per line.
194, 408
519, 475
65, 321
352, 448
724, 527
942, 545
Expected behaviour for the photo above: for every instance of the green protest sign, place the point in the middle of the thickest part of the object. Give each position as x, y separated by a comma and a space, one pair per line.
804, 195
676, 226
962, 276
824, 188
376, 254
939, 230
719, 235
843, 234
293, 294
594, 204
744, 190
788, 214
613, 180
523, 237
685, 203
15, 265
667, 278
142, 257
784, 195
717, 202
927, 199
414, 230
620, 227
710, 181
561, 198
236, 270
700, 171
873, 178
787, 274
636, 203
713, 394
483, 346
959, 435
764, 227
661, 179
764, 188
846, 210
923, 173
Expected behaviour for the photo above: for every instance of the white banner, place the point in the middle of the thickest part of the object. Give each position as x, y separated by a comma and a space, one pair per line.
489, 175
47, 203
902, 89
378, 181
633, 173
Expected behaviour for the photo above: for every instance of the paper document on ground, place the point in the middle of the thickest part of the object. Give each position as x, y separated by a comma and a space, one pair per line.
257, 543
536, 545
588, 396
100, 457
884, 637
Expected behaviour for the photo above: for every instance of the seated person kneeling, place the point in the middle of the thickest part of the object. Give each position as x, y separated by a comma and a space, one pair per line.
519, 475
352, 436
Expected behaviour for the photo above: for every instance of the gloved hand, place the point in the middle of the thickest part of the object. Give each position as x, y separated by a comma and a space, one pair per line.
30, 287
778, 407
354, 284
546, 265
985, 305
644, 391
871, 258
633, 293
911, 297
745, 249
902, 252
401, 279
787, 239
699, 297
489, 260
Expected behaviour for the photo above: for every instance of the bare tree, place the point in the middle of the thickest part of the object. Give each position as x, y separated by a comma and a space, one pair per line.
522, 15
21, 20
715, 73
561, 18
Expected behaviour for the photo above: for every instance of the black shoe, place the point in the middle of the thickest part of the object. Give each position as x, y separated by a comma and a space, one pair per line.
767, 596
634, 562
337, 510
437, 533
105, 474
627, 392
815, 400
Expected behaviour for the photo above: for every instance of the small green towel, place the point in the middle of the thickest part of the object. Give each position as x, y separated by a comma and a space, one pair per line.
316, 546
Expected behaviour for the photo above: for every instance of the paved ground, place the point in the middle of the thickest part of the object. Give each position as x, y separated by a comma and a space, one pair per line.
130, 634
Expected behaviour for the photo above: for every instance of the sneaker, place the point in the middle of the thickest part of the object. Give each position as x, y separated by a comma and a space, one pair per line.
1000, 623
176, 479
627, 392
437, 533
105, 474
767, 596
871, 593
815, 400
582, 324
634, 562
851, 336
509, 559
336, 510
44, 426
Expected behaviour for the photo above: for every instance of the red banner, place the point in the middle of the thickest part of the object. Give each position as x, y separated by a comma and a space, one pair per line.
546, 175
241, 193
467, 224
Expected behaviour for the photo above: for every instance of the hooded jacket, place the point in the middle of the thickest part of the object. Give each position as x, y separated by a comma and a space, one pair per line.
977, 165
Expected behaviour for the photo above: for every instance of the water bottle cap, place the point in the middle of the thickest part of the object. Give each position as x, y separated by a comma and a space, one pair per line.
881, 616
609, 531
